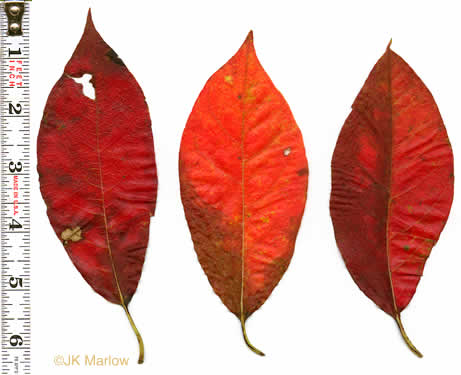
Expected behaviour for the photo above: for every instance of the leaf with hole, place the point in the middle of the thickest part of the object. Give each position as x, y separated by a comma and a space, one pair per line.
97, 170
243, 174
392, 185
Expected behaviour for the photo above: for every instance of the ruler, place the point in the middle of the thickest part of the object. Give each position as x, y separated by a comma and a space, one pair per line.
15, 186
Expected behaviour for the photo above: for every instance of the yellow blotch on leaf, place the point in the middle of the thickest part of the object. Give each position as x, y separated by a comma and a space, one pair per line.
249, 96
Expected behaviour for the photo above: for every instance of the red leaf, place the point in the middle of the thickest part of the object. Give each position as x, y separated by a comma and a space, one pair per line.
97, 170
243, 174
392, 184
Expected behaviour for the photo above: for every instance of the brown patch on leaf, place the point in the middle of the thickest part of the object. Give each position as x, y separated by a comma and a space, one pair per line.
217, 246
71, 234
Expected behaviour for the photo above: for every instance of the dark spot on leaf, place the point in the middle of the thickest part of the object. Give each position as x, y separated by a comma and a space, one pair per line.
127, 299
64, 179
303, 172
114, 57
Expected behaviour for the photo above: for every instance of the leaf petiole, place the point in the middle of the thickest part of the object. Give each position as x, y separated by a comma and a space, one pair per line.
406, 338
247, 341
138, 335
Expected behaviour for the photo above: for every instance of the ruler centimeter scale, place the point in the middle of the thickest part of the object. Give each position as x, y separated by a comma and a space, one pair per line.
15, 186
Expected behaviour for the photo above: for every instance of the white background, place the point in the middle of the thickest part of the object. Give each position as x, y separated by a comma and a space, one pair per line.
317, 320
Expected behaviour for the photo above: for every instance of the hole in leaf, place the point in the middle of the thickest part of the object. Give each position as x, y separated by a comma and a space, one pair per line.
88, 88
287, 151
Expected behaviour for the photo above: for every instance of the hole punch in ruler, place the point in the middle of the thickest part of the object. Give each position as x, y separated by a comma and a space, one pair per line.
15, 186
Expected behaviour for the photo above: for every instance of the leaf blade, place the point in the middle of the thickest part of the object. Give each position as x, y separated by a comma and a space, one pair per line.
240, 149
84, 150
392, 166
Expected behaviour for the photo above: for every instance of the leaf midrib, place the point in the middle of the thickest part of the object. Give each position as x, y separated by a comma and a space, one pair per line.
103, 205
389, 201
242, 156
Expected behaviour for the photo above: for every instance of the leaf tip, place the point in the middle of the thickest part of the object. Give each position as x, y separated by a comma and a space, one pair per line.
389, 45
89, 21
249, 38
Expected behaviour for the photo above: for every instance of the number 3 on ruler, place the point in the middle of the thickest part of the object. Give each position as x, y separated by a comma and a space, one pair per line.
15, 167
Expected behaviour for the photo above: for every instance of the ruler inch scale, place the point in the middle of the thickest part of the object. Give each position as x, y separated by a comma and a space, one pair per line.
15, 187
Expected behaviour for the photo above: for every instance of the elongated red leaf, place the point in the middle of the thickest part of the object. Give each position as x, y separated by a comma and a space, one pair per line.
97, 170
392, 184
243, 174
